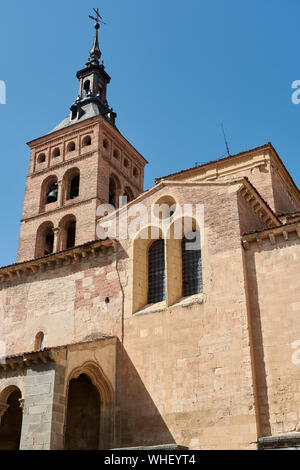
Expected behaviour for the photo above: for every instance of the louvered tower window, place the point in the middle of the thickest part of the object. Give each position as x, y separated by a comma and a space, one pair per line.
191, 266
157, 275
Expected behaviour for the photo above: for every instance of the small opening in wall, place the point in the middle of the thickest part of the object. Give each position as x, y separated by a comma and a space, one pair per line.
71, 147
105, 144
39, 341
41, 158
86, 87
126, 163
116, 154
87, 141
135, 173
56, 153
107, 300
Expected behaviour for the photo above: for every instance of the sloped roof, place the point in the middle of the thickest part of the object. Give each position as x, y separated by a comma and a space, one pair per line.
87, 111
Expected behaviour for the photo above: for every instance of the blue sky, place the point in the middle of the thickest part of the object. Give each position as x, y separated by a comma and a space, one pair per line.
178, 70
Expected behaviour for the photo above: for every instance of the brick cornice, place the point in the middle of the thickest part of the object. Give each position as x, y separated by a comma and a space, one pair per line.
31, 267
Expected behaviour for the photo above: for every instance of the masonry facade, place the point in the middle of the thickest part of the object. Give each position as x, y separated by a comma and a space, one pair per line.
125, 342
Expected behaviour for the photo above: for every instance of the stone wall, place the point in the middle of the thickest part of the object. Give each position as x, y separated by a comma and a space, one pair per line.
273, 276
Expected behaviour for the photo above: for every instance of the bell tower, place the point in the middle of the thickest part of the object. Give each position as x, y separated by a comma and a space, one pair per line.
83, 162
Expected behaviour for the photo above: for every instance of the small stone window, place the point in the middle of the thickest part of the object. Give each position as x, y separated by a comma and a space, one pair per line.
41, 158
39, 341
126, 163
156, 272
56, 153
87, 141
135, 173
71, 147
105, 144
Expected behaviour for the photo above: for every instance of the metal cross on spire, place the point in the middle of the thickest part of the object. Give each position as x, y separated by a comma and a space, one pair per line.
95, 52
98, 18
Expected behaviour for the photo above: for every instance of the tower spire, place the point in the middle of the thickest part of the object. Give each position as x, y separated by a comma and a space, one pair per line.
93, 83
95, 53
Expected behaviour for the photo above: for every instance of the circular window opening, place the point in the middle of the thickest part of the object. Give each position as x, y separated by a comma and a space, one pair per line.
164, 208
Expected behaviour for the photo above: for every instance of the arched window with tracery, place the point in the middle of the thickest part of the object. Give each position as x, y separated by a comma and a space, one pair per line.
156, 272
192, 282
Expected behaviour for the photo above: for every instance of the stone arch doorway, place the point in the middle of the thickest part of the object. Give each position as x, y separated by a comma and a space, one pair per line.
11, 420
89, 420
83, 415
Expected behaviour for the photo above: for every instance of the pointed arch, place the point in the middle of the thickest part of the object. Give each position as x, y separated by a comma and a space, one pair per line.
106, 416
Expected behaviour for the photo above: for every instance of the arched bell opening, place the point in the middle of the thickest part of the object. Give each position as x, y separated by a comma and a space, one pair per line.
67, 232
71, 184
49, 192
44, 240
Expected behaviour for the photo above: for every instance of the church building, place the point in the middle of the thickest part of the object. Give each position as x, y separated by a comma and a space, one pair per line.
182, 335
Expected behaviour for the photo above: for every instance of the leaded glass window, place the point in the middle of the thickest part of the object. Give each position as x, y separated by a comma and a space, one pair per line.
156, 273
191, 265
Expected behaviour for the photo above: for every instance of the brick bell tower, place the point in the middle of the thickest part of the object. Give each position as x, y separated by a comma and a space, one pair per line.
84, 162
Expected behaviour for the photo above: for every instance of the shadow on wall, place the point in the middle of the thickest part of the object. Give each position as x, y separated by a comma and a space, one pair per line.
138, 421
263, 412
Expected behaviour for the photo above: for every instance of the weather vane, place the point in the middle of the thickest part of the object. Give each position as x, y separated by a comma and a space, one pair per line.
98, 18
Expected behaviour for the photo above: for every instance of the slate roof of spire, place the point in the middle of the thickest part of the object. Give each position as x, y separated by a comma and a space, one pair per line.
87, 111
